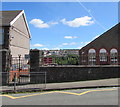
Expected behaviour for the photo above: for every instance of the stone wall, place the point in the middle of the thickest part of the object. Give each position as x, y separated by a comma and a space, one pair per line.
67, 74
35, 58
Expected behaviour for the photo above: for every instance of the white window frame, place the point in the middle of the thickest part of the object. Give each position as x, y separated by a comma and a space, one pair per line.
92, 56
114, 56
103, 55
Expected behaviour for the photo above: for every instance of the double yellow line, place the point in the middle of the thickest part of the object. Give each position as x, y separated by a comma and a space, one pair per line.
63, 92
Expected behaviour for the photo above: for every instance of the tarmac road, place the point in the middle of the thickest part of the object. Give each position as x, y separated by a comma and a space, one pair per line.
98, 96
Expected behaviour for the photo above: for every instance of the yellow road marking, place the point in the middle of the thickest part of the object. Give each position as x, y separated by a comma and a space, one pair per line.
82, 93
8, 96
26, 95
85, 92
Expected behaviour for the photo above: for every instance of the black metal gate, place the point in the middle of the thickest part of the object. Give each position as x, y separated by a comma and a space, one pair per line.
32, 81
19, 77
19, 66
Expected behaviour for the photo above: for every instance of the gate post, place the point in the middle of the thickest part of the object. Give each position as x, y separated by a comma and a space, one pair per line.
19, 68
15, 78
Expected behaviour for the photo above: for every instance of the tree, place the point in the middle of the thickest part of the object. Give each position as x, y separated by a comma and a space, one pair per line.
67, 60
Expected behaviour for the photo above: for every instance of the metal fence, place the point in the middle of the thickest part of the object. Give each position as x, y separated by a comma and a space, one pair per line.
23, 81
19, 64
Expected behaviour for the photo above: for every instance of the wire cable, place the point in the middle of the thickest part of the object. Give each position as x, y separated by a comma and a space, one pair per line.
91, 15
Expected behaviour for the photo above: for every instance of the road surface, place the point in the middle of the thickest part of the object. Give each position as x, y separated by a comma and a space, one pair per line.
98, 96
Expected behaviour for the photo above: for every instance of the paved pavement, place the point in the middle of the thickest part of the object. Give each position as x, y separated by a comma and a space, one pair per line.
85, 84
69, 85
98, 96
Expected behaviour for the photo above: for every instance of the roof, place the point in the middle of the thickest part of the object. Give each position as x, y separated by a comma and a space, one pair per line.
8, 16
106, 38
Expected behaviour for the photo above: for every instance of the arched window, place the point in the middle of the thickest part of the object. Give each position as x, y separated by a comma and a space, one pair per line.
103, 56
92, 57
114, 56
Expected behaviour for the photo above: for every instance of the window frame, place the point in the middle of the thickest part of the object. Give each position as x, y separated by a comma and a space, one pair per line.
1, 36
114, 56
92, 56
103, 55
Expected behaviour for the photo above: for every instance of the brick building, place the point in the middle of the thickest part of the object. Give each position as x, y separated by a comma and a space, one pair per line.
47, 60
104, 50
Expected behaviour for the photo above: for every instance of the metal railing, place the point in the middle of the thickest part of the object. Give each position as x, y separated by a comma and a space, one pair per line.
16, 81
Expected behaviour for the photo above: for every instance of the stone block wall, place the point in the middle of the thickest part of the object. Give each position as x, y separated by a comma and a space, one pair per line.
70, 74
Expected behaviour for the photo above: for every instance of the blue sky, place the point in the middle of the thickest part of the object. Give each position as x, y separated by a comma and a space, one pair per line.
66, 25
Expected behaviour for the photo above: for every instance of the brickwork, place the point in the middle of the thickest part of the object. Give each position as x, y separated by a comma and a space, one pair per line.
108, 40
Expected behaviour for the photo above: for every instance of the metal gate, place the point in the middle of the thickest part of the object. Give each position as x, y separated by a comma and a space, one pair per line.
19, 76
32, 81
19, 66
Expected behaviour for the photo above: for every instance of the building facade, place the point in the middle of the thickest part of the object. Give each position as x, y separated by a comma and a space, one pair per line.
104, 50
14, 36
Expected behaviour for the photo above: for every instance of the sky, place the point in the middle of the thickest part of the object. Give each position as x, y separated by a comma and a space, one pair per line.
66, 25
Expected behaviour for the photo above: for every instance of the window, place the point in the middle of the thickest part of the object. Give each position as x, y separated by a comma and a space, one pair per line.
83, 58
1, 36
27, 56
92, 57
114, 56
103, 55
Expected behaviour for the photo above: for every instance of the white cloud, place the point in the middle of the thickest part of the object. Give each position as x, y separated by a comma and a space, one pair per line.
77, 22
70, 37
53, 23
45, 49
72, 43
38, 45
65, 44
41, 24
